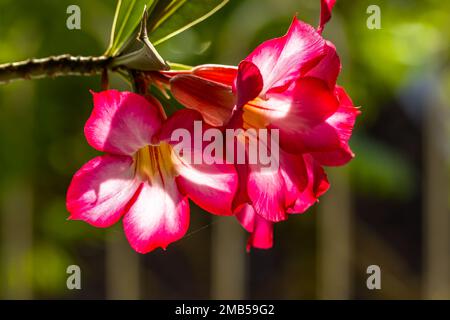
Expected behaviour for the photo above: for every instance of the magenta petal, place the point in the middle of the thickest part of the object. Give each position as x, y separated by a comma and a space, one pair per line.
262, 235
241, 197
294, 172
101, 189
158, 217
317, 185
261, 230
338, 157
320, 138
246, 217
282, 60
299, 112
342, 123
328, 68
305, 104
121, 122
249, 82
182, 119
215, 101
326, 7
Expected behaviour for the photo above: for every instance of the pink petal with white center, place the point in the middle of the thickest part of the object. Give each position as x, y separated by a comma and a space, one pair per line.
121, 122
211, 186
204, 177
326, 7
158, 216
261, 230
215, 101
282, 60
101, 190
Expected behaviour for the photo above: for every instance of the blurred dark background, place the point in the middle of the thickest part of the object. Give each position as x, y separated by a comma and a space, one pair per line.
389, 207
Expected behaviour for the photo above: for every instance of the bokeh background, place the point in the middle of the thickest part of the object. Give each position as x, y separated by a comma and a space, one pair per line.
389, 207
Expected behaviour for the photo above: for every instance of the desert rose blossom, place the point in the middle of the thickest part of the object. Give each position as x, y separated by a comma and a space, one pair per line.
291, 174
140, 178
289, 84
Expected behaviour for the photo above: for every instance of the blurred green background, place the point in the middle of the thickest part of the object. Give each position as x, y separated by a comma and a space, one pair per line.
388, 207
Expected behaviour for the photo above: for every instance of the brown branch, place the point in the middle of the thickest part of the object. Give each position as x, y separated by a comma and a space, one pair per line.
55, 66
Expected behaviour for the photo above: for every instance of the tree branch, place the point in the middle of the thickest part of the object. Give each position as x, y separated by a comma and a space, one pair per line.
55, 66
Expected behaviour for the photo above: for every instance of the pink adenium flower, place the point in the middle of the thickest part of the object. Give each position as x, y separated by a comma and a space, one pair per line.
140, 178
289, 84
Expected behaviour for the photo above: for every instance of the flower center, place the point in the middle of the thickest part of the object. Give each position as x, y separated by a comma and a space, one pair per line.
253, 115
153, 160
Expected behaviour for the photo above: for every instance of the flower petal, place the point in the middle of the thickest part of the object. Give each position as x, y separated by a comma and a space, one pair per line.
249, 82
121, 122
305, 104
317, 185
328, 68
282, 60
203, 176
182, 119
101, 190
336, 158
215, 101
342, 123
294, 172
261, 230
298, 111
210, 186
158, 217
325, 13
218, 73
267, 191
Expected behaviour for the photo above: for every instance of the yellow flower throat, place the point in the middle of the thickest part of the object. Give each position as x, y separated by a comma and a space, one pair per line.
153, 160
253, 115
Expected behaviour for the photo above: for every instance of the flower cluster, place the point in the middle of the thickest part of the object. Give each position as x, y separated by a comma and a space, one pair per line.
286, 87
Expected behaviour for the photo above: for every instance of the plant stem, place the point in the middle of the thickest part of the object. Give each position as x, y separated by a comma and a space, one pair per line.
54, 66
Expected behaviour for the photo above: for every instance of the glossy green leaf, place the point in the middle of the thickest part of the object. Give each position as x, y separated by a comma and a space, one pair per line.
126, 20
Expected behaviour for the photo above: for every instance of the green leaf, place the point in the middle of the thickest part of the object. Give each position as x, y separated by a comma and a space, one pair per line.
169, 18
126, 20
